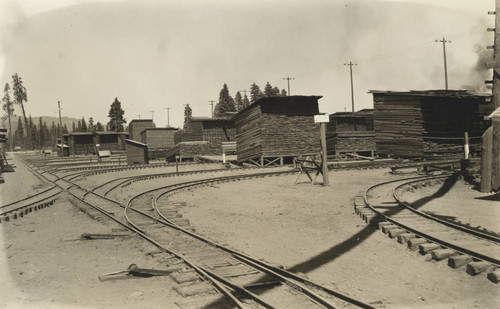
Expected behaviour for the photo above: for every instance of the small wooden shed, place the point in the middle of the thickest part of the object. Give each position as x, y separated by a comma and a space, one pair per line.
137, 152
276, 129
136, 126
158, 141
112, 141
351, 133
428, 123
80, 143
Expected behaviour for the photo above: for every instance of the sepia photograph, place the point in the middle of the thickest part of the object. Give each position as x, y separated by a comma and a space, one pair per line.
196, 154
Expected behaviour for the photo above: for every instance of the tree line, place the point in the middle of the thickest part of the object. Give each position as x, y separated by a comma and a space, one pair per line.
29, 135
226, 103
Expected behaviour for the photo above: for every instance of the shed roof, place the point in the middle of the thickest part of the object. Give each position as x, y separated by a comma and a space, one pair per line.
287, 99
135, 143
141, 120
495, 114
433, 93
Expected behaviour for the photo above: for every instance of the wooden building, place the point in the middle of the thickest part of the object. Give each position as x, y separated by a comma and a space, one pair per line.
191, 151
214, 130
112, 141
136, 126
80, 143
137, 152
85, 143
351, 133
276, 129
426, 123
490, 155
158, 141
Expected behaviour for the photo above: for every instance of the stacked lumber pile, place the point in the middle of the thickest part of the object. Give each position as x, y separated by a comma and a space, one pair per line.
136, 126
278, 127
158, 138
81, 143
417, 123
348, 132
192, 150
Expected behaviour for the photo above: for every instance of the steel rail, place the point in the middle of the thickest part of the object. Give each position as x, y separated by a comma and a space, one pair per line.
29, 197
444, 222
424, 235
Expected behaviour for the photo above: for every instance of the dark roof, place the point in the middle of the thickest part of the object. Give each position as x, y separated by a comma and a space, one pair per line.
287, 99
141, 120
160, 129
433, 93
136, 143
208, 118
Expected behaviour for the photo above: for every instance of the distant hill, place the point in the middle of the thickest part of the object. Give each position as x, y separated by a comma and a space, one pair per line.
65, 120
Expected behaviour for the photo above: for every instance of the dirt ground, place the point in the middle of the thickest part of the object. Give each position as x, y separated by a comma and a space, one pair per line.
313, 230
308, 229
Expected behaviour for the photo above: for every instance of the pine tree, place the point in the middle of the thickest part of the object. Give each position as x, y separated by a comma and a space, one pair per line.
79, 126
255, 93
283, 93
33, 138
238, 101
9, 110
276, 92
41, 133
268, 90
84, 125
73, 127
115, 115
21, 96
226, 103
188, 113
19, 134
99, 127
91, 127
245, 101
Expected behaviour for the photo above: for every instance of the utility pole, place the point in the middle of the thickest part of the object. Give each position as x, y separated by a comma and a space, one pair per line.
350, 64
212, 104
288, 78
444, 41
168, 116
60, 126
152, 115
139, 116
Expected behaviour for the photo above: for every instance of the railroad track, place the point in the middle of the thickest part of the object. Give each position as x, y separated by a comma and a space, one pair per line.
20, 208
245, 282
382, 206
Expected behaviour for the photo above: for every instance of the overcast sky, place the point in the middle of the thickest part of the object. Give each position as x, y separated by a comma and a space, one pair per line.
158, 54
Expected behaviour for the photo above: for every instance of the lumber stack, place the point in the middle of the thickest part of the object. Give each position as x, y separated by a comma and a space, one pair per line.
418, 123
278, 127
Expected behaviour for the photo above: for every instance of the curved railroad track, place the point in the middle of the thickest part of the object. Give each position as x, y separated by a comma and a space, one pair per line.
247, 282
382, 206
29, 204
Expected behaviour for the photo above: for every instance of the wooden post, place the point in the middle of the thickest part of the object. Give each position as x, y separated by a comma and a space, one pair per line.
495, 155
486, 160
324, 163
466, 145
177, 165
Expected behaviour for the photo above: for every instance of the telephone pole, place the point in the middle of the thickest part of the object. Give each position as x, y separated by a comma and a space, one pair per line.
139, 116
350, 64
60, 124
444, 41
288, 78
168, 116
212, 104
152, 115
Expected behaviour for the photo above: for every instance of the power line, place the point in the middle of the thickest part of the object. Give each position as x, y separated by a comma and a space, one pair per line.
168, 116
444, 41
350, 64
288, 78
212, 104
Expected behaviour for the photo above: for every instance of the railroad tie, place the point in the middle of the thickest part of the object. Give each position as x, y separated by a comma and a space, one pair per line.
474, 268
387, 228
396, 232
494, 276
195, 289
425, 248
413, 244
441, 254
